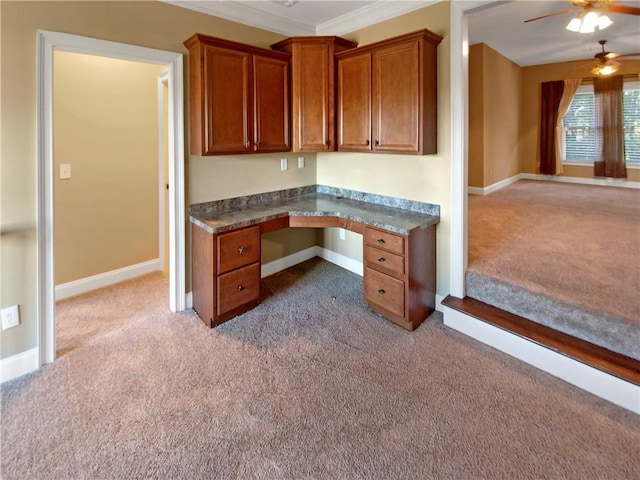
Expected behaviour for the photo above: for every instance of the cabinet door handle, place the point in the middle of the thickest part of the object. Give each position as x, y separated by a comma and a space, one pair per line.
240, 250
377, 143
367, 142
240, 288
381, 291
381, 240
248, 144
381, 259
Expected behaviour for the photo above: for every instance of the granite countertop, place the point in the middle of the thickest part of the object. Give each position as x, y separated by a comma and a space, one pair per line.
389, 213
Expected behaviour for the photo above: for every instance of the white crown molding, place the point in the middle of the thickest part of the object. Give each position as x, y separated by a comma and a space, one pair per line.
370, 15
237, 11
241, 13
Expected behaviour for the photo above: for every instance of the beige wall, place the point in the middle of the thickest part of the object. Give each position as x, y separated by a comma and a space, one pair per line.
532, 77
424, 178
105, 114
494, 116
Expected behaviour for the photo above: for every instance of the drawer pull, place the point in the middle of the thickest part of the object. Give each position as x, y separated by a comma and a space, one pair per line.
240, 250
381, 259
381, 291
381, 240
240, 288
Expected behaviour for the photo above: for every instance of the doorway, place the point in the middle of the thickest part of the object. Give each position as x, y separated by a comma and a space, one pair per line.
48, 42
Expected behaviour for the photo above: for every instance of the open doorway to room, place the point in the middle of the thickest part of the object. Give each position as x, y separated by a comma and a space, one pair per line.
97, 210
110, 195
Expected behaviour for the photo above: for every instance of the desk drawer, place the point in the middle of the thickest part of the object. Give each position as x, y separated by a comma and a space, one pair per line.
383, 261
238, 248
238, 288
387, 241
384, 291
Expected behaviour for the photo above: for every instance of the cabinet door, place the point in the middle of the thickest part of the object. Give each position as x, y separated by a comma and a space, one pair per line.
313, 119
397, 98
271, 94
228, 126
354, 103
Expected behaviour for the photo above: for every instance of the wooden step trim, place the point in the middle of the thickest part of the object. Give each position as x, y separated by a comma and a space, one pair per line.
614, 363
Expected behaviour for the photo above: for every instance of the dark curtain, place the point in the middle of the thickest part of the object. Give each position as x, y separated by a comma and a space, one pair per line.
609, 134
550, 97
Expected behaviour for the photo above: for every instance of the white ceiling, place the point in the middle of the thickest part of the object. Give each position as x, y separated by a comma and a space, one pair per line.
499, 24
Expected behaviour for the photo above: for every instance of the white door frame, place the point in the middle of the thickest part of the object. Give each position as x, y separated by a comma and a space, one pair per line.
459, 57
47, 42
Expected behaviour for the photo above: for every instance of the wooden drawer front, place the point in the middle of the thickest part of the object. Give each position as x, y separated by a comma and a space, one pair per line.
385, 240
383, 261
238, 248
238, 287
384, 291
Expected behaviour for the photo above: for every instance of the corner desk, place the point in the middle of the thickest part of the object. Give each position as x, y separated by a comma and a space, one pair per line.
399, 248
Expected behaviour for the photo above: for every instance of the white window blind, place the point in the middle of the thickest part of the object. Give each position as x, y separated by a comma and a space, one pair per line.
579, 123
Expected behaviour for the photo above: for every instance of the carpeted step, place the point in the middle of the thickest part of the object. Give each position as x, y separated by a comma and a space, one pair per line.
592, 326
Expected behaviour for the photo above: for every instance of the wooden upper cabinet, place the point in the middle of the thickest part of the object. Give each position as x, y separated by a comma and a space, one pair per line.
271, 101
354, 103
313, 90
403, 99
239, 98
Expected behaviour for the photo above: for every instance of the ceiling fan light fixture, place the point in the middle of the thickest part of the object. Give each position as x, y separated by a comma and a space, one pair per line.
603, 22
574, 25
604, 69
587, 23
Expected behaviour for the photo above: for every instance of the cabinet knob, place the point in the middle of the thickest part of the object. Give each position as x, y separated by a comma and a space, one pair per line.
240, 288
240, 250
377, 143
248, 144
367, 142
381, 291
381, 259
381, 240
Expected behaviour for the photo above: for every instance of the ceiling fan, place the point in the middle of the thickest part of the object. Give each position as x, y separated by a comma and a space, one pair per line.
590, 14
604, 63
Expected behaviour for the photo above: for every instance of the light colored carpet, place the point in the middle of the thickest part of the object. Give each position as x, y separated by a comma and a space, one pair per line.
309, 385
564, 255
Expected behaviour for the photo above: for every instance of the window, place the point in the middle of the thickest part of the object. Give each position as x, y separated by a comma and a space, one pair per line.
579, 122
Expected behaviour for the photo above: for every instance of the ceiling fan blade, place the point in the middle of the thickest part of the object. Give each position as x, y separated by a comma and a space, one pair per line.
621, 9
627, 56
553, 14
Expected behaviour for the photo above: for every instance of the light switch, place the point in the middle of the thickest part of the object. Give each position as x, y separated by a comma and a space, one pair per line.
65, 171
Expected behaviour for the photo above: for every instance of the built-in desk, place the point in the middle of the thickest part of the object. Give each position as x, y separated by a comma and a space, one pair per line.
399, 248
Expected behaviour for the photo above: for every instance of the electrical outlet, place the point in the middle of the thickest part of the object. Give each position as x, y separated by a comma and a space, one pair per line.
300, 162
283, 164
10, 317
342, 233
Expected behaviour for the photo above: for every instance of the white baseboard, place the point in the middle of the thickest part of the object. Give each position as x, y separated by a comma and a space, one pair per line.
494, 187
597, 382
288, 261
605, 182
87, 284
340, 260
19, 364
188, 300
